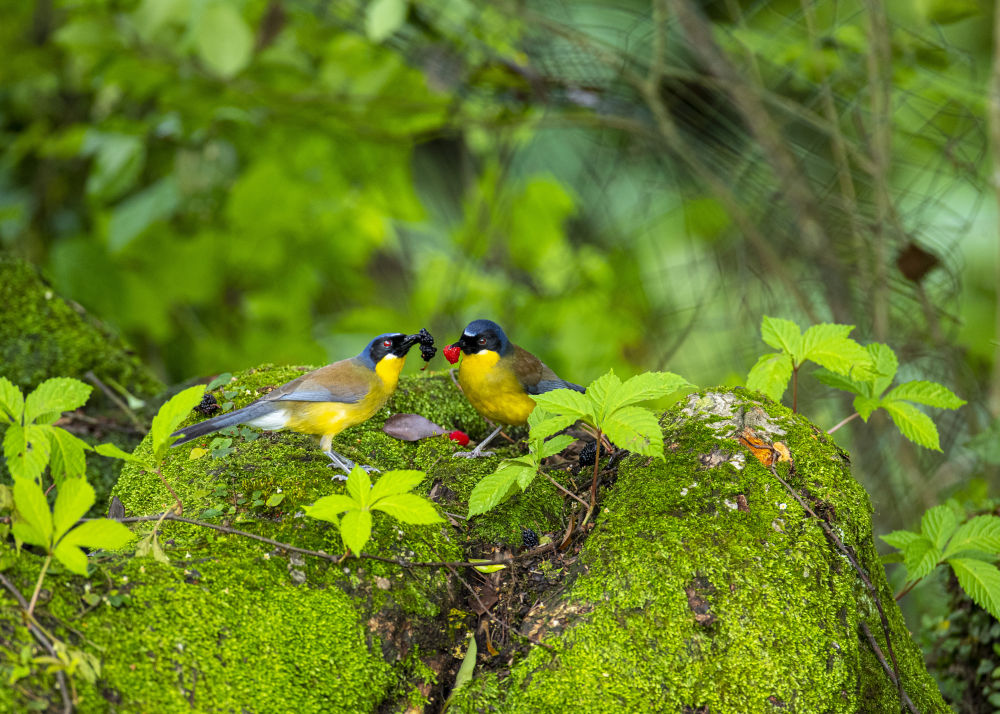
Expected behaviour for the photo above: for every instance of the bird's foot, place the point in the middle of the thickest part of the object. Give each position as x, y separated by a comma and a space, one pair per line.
474, 454
370, 469
346, 465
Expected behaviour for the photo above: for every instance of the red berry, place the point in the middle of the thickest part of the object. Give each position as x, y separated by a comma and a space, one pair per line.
451, 353
460, 436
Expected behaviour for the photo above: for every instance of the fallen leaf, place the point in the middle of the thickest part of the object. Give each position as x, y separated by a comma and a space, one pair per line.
411, 427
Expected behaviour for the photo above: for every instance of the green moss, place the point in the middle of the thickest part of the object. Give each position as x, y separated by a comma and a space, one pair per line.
685, 600
42, 336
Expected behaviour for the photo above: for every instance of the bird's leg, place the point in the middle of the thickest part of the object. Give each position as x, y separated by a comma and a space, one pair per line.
340, 461
478, 451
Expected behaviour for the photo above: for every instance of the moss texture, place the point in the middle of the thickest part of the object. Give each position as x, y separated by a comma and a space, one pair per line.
703, 587
42, 336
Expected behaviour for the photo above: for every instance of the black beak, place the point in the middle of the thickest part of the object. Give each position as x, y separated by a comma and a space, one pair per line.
467, 343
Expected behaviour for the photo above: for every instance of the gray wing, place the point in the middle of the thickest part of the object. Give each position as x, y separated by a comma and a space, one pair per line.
345, 381
550, 381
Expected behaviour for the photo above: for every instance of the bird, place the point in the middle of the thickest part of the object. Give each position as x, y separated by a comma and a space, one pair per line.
499, 378
327, 400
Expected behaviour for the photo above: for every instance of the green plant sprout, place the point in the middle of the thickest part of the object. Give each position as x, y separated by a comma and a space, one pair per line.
390, 494
32, 441
969, 549
608, 407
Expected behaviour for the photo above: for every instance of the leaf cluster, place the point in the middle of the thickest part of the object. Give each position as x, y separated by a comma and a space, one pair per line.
390, 494
969, 548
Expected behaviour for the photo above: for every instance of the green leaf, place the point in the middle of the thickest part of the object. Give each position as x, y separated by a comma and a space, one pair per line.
938, 524
26, 449
920, 558
29, 534
782, 335
59, 394
832, 379
544, 429
328, 508
486, 568
554, 445
884, 367
112, 451
274, 500
131, 217
33, 509
979, 533
602, 392
900, 539
981, 580
72, 558
635, 429
567, 402
224, 378
384, 17
11, 402
68, 460
223, 39
922, 392
914, 424
74, 499
392, 482
359, 486
171, 415
465, 672
100, 533
771, 374
864, 406
643, 387
829, 346
492, 489
408, 508
356, 529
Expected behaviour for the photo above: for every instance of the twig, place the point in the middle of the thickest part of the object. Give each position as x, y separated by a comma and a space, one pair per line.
109, 393
38, 585
873, 643
565, 490
593, 483
180, 506
841, 423
902, 593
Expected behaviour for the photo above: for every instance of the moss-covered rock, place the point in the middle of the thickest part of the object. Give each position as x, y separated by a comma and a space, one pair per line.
702, 587
43, 335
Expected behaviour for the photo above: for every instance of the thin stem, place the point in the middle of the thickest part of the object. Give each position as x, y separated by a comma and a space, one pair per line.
180, 506
908, 588
795, 389
116, 399
38, 585
593, 483
841, 423
565, 490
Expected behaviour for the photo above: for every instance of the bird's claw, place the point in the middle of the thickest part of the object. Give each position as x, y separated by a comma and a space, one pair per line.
370, 469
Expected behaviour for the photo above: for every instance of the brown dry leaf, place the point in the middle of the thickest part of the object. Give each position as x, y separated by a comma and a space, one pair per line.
411, 427
762, 450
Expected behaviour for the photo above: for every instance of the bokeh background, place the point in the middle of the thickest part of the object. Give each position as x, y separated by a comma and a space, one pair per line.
621, 184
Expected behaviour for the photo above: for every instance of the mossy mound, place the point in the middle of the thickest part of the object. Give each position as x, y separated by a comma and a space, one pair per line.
42, 336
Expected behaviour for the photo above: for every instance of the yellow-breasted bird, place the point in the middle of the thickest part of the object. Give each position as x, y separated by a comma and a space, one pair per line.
327, 400
499, 377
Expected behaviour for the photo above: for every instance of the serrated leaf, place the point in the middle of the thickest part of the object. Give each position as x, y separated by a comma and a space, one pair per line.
829, 346
920, 558
359, 486
554, 445
223, 39
884, 367
866, 405
408, 508
770, 375
11, 402
979, 533
644, 387
328, 508
981, 580
356, 529
492, 489
99, 533
923, 392
914, 424
384, 17
938, 524
393, 482
33, 509
601, 392
72, 558
73, 500
544, 429
635, 429
29, 534
782, 335
900, 539
59, 394
837, 381
67, 455
113, 452
26, 449
172, 414
567, 402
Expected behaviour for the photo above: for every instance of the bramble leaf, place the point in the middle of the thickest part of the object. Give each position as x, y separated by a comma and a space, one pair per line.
635, 429
72, 558
554, 445
11, 402
914, 424
938, 524
328, 508
356, 529
493, 489
113, 452
920, 558
27, 449
359, 486
59, 394
392, 482
644, 387
837, 381
567, 402
923, 392
33, 509
68, 460
546, 428
866, 405
829, 346
408, 508
900, 539
74, 498
601, 392
979, 533
782, 335
771, 374
981, 580
171, 415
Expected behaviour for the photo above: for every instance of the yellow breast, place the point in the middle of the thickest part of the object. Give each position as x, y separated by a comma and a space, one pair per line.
493, 390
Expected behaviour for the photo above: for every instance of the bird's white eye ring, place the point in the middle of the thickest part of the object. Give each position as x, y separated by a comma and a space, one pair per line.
481, 340
387, 344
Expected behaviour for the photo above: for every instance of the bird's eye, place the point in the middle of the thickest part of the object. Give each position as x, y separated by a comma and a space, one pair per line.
481, 340
387, 344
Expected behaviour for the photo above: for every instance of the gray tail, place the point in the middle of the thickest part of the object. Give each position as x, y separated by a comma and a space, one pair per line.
240, 416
